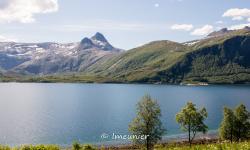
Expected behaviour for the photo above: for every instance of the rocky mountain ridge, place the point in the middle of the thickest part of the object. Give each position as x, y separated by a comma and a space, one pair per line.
49, 58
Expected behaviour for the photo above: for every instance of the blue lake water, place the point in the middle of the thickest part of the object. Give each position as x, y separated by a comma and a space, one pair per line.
33, 113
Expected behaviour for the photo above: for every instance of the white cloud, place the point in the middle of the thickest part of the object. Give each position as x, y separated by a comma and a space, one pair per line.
239, 26
157, 5
184, 27
237, 13
238, 18
248, 19
24, 10
5, 39
203, 30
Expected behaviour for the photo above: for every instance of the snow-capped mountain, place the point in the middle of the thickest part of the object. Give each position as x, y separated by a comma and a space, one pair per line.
49, 58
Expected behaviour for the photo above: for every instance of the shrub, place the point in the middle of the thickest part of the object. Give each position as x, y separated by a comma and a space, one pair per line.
88, 147
76, 146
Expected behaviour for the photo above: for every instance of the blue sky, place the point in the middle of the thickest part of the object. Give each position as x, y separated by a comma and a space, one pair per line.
125, 23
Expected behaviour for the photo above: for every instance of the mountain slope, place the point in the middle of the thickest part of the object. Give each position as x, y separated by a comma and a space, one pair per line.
140, 62
223, 58
54, 58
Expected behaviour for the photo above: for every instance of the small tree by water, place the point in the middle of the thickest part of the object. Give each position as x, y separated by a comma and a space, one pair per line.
235, 125
242, 123
227, 129
147, 122
192, 120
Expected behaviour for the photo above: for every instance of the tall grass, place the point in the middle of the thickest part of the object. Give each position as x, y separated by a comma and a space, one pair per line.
216, 146
31, 147
48, 147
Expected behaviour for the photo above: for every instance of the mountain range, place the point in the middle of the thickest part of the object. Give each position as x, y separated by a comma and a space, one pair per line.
51, 58
221, 57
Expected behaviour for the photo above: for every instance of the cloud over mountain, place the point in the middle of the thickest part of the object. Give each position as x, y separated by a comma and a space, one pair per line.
203, 30
237, 13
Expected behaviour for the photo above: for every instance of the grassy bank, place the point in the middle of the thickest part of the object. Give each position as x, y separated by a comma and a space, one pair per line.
31, 147
165, 146
214, 146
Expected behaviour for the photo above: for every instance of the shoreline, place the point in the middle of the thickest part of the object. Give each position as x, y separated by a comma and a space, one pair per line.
182, 138
175, 138
211, 134
179, 139
134, 83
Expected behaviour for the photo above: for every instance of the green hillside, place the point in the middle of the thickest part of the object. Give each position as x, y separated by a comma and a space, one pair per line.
225, 61
217, 59
142, 62
222, 59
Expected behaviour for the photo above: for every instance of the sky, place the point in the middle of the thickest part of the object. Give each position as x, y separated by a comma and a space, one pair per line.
125, 23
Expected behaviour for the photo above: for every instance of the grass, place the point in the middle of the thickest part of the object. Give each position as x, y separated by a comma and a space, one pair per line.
60, 78
31, 147
215, 146
46, 147
169, 146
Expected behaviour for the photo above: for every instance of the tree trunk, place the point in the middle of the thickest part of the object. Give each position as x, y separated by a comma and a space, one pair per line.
148, 148
231, 136
239, 133
189, 136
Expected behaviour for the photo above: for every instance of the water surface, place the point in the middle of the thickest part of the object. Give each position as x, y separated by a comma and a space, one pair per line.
32, 113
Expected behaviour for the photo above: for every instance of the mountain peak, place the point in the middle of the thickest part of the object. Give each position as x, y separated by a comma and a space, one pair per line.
99, 37
86, 43
98, 41
220, 32
225, 31
246, 28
